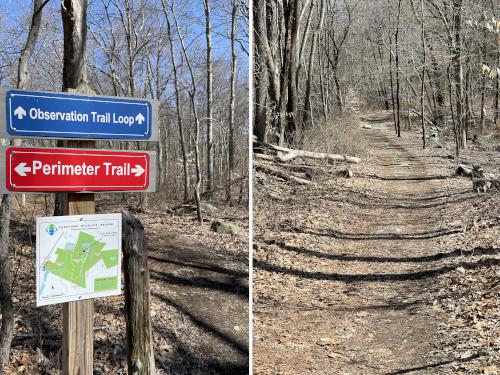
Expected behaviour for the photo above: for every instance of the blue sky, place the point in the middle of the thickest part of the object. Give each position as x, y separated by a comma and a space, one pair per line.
190, 13
16, 12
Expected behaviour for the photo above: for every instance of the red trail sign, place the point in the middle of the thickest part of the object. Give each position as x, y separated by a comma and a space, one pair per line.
59, 169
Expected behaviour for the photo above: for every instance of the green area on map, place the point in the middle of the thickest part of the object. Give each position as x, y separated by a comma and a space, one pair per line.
73, 262
102, 284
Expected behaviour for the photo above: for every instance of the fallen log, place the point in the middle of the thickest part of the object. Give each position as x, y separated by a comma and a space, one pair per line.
290, 154
266, 157
301, 168
483, 185
304, 168
278, 172
347, 173
482, 182
207, 193
475, 172
466, 171
420, 115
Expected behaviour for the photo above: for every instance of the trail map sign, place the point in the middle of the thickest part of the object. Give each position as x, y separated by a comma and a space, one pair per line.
77, 257
64, 115
30, 169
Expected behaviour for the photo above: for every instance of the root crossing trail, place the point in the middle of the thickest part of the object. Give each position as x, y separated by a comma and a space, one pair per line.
347, 271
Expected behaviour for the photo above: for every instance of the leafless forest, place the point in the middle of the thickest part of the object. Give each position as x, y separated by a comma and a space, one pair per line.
315, 60
192, 57
376, 187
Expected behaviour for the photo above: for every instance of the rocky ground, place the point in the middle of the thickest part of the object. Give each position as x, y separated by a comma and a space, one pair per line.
393, 271
199, 288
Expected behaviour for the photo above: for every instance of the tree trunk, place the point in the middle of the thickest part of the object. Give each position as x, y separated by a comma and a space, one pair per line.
469, 116
75, 47
483, 99
197, 188
291, 66
393, 99
231, 145
398, 100
461, 136
36, 20
178, 105
260, 68
192, 96
140, 354
338, 91
440, 87
383, 89
210, 145
6, 307
424, 61
453, 119
323, 86
7, 310
496, 102
308, 107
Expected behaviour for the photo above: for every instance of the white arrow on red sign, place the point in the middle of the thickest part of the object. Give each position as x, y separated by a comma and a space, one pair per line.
25, 169
138, 170
21, 169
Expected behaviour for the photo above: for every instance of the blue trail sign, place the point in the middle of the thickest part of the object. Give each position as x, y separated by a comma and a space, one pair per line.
71, 116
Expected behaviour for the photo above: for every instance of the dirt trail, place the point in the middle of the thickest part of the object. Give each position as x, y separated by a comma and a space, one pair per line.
346, 271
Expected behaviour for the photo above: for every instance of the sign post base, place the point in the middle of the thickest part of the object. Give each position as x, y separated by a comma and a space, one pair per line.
78, 316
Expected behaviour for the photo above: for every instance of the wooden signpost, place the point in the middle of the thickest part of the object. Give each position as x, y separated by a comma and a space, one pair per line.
75, 169
79, 119
78, 316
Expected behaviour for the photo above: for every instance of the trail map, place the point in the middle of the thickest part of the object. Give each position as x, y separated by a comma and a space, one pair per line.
78, 257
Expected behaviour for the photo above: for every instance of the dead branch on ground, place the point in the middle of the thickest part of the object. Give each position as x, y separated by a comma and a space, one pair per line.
285, 154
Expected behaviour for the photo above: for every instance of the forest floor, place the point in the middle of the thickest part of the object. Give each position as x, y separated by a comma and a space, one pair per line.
199, 289
393, 271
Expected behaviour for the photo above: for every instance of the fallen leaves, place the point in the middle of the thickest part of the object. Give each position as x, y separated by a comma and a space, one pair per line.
489, 370
325, 341
37, 342
303, 311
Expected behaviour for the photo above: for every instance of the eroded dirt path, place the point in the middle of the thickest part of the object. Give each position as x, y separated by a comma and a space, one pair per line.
347, 272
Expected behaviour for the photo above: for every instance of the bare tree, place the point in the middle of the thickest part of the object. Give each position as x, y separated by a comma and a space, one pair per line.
178, 103
460, 127
74, 18
231, 143
192, 95
424, 61
7, 321
210, 141
312, 59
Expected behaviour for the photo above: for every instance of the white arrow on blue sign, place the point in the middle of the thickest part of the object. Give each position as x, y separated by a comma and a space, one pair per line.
37, 114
